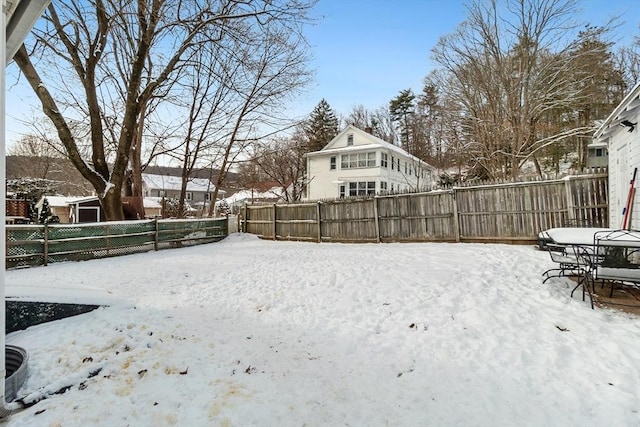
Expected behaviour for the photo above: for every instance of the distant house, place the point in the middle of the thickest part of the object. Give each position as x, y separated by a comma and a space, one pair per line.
264, 192
152, 209
620, 134
597, 155
356, 163
199, 190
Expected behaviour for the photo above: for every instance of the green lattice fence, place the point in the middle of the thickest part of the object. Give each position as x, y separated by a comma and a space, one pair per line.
30, 245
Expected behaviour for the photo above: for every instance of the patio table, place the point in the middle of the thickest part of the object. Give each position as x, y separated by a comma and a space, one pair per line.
572, 248
569, 236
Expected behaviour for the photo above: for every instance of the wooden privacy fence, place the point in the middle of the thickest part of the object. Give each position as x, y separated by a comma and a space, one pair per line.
30, 245
510, 213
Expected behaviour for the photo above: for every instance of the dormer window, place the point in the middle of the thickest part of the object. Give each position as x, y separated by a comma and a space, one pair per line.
350, 139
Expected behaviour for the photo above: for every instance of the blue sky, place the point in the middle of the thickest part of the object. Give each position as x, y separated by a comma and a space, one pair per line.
364, 52
367, 51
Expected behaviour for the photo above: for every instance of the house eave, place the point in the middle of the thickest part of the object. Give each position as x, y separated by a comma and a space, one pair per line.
629, 106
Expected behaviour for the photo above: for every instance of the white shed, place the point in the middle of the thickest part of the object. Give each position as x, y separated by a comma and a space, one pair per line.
621, 133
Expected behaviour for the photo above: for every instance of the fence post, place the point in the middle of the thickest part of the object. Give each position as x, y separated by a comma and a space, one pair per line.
570, 208
456, 218
275, 222
319, 221
155, 237
107, 230
45, 248
376, 218
245, 213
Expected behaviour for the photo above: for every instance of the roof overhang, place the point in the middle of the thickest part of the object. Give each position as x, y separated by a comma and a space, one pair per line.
628, 107
21, 17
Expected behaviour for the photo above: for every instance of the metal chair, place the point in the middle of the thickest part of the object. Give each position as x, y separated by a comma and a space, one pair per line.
566, 259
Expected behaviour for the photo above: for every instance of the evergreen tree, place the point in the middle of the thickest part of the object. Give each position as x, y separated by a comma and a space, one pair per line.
402, 110
321, 127
45, 212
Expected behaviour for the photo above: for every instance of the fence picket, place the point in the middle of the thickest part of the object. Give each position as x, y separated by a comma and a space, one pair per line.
506, 212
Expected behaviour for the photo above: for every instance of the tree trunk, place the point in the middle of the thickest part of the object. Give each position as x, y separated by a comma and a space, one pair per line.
135, 158
112, 205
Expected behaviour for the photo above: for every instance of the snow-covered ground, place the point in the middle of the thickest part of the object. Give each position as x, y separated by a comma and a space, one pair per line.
246, 332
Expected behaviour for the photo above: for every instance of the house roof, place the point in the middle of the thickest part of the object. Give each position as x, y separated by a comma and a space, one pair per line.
62, 201
273, 193
629, 105
151, 204
174, 183
374, 143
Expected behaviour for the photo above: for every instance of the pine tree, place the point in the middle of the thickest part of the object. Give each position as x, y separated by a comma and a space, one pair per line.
402, 110
45, 212
321, 127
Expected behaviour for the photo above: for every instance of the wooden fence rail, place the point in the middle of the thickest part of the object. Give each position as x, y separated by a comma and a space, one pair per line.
31, 245
509, 213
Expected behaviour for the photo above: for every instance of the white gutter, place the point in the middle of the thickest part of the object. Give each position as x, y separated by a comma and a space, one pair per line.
16, 21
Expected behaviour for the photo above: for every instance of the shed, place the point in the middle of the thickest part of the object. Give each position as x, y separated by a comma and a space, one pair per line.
87, 209
59, 206
621, 135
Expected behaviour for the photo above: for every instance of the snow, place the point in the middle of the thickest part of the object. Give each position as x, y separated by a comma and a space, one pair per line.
248, 332
174, 183
242, 196
573, 235
107, 188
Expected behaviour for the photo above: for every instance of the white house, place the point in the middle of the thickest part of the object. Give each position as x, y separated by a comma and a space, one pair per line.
356, 163
199, 190
621, 134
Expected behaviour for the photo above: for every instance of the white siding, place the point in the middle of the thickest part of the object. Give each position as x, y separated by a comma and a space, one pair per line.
624, 156
322, 182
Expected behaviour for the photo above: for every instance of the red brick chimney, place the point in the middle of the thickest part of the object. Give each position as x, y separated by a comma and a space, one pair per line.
369, 130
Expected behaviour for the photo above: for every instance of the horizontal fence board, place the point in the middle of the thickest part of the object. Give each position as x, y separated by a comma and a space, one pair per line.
510, 212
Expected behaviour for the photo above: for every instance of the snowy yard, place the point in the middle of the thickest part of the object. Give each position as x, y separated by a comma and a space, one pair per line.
247, 332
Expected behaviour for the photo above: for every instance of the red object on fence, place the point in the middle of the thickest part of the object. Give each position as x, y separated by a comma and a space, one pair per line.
626, 211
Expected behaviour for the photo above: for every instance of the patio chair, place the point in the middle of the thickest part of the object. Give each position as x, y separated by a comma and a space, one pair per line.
566, 259
587, 261
620, 257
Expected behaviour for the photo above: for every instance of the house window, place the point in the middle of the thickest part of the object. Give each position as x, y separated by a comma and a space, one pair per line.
342, 191
189, 195
405, 168
362, 188
207, 197
393, 162
383, 160
383, 185
398, 165
350, 139
161, 193
333, 163
392, 187
359, 160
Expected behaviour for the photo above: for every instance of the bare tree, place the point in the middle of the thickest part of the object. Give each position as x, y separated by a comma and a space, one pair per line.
283, 161
379, 121
270, 69
511, 63
152, 42
628, 61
